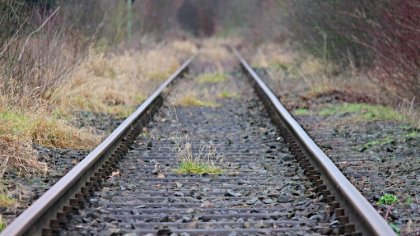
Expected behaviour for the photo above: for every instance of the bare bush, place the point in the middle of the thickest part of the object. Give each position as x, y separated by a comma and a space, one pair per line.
380, 35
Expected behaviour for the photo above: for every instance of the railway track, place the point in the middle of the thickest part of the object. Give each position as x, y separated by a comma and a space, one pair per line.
275, 180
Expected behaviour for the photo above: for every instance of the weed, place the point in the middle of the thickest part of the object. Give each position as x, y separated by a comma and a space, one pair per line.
212, 78
3, 223
192, 167
387, 199
206, 161
395, 227
408, 200
363, 112
301, 112
6, 201
227, 95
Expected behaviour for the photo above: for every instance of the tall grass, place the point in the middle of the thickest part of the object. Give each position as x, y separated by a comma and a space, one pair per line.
62, 57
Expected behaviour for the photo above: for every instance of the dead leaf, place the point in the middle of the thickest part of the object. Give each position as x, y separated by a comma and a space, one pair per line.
115, 173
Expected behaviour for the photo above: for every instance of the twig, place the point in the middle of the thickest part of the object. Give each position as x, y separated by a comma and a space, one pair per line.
35, 31
388, 210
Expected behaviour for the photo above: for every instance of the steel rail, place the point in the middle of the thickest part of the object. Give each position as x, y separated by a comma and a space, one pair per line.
35, 218
359, 210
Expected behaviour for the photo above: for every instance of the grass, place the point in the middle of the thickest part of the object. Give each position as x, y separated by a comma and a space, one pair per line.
412, 135
387, 199
227, 95
373, 143
213, 51
212, 78
363, 112
301, 112
191, 100
390, 140
45, 130
117, 83
206, 161
194, 167
113, 83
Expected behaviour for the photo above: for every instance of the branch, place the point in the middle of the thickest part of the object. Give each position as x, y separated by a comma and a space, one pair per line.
35, 31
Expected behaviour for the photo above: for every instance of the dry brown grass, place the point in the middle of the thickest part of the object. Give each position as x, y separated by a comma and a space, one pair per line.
113, 83
271, 54
18, 155
212, 83
310, 77
284, 60
191, 99
215, 57
117, 83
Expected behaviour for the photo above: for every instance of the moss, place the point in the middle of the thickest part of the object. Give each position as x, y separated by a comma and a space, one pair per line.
192, 167
301, 112
212, 78
363, 112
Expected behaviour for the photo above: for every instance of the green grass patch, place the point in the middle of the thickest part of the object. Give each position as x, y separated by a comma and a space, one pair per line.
412, 135
227, 95
301, 112
6, 201
18, 123
387, 199
3, 223
193, 167
363, 112
212, 78
373, 143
